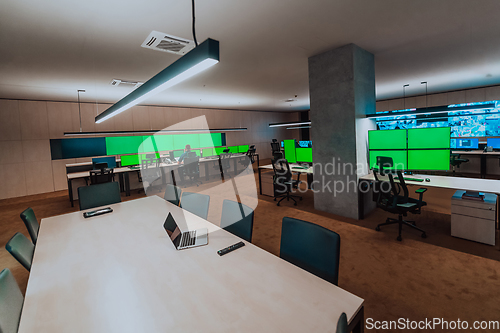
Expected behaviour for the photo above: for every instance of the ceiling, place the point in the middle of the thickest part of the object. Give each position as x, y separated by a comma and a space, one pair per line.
50, 49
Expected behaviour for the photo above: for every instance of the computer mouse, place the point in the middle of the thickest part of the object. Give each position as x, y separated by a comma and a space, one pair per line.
427, 180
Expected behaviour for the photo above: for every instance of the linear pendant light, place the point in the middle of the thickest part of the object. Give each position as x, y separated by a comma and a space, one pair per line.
195, 61
293, 123
154, 132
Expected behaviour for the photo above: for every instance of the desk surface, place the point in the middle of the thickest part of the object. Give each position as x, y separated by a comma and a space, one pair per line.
119, 272
458, 183
292, 166
476, 152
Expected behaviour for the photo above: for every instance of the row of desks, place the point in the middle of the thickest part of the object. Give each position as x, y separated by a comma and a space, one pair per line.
124, 177
120, 272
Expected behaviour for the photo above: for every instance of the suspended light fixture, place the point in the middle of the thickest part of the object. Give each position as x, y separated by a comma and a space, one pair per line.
195, 61
153, 132
294, 123
202, 57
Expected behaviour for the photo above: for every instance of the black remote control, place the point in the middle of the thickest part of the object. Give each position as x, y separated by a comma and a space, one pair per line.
230, 248
97, 212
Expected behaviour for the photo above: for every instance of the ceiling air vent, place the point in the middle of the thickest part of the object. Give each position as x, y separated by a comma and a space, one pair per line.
167, 43
118, 82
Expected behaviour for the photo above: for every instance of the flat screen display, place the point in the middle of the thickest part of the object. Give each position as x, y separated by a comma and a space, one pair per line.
110, 160
305, 144
428, 138
493, 142
207, 152
466, 144
390, 139
129, 160
233, 149
243, 149
304, 155
398, 158
219, 150
436, 159
289, 146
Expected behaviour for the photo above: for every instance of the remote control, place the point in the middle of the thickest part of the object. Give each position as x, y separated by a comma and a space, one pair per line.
97, 212
230, 248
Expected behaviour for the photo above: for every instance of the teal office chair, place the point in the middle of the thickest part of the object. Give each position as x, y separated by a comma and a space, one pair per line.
11, 302
22, 249
31, 223
196, 203
98, 195
311, 247
237, 218
173, 194
342, 324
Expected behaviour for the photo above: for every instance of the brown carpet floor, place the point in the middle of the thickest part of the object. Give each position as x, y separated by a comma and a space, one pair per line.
436, 277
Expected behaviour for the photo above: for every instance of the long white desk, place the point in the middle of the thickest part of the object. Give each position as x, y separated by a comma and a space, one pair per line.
293, 167
119, 272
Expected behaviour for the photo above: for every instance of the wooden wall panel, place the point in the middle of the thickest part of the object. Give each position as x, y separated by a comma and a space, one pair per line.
12, 180
36, 150
34, 120
11, 152
156, 117
59, 173
10, 124
62, 117
475, 95
140, 118
39, 178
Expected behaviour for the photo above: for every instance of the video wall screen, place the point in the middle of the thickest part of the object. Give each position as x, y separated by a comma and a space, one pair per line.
468, 123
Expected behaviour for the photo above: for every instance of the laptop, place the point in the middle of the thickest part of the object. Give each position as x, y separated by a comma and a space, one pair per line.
187, 239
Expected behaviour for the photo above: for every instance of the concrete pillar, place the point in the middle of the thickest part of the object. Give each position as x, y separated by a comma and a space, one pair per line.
342, 92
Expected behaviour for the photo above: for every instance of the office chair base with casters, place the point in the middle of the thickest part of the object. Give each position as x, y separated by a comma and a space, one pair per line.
401, 222
287, 196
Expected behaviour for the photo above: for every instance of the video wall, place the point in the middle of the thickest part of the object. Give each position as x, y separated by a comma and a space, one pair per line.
468, 123
412, 149
124, 145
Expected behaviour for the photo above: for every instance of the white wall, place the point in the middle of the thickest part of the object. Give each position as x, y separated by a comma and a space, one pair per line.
26, 167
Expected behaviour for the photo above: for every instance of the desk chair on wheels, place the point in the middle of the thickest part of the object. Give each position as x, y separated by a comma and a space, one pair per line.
191, 168
284, 182
393, 197
456, 160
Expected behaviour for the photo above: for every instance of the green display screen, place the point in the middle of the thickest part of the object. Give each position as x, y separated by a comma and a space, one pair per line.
207, 152
387, 139
123, 145
429, 159
243, 149
233, 149
127, 160
289, 146
398, 158
219, 150
427, 138
304, 154
178, 153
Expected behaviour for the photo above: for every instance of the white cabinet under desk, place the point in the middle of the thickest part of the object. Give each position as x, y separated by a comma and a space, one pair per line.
474, 219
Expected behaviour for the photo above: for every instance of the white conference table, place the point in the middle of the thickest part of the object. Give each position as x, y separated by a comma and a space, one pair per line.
119, 272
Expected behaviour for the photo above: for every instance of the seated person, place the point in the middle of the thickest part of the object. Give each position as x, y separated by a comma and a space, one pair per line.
187, 150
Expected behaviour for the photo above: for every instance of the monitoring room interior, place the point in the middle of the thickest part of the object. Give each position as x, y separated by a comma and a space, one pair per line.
319, 71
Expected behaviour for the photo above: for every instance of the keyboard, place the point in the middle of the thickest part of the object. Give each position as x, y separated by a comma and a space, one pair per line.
300, 167
188, 238
414, 179
135, 168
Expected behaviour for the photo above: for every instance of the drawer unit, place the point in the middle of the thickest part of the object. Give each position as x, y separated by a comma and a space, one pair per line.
267, 183
474, 219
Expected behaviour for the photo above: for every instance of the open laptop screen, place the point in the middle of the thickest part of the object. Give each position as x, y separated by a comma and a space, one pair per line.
172, 230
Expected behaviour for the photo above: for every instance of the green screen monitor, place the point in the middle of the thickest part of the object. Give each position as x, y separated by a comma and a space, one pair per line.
207, 152
398, 158
429, 138
436, 159
289, 146
233, 149
387, 139
129, 160
177, 153
304, 155
243, 149
219, 150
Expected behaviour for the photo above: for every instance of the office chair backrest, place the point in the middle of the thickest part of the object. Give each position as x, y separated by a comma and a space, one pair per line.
99, 195
22, 249
342, 324
196, 203
173, 194
100, 166
192, 165
275, 146
11, 302
237, 218
31, 223
311, 247
277, 155
101, 176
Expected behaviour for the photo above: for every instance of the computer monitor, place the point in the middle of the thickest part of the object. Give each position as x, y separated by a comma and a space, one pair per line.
466, 144
305, 144
399, 158
304, 155
243, 149
430, 160
429, 138
110, 160
233, 149
219, 150
130, 160
493, 142
207, 152
176, 153
387, 139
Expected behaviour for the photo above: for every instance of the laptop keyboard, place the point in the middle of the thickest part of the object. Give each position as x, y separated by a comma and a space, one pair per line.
188, 238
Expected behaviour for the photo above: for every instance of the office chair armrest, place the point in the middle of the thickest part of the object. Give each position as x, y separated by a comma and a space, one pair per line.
421, 192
